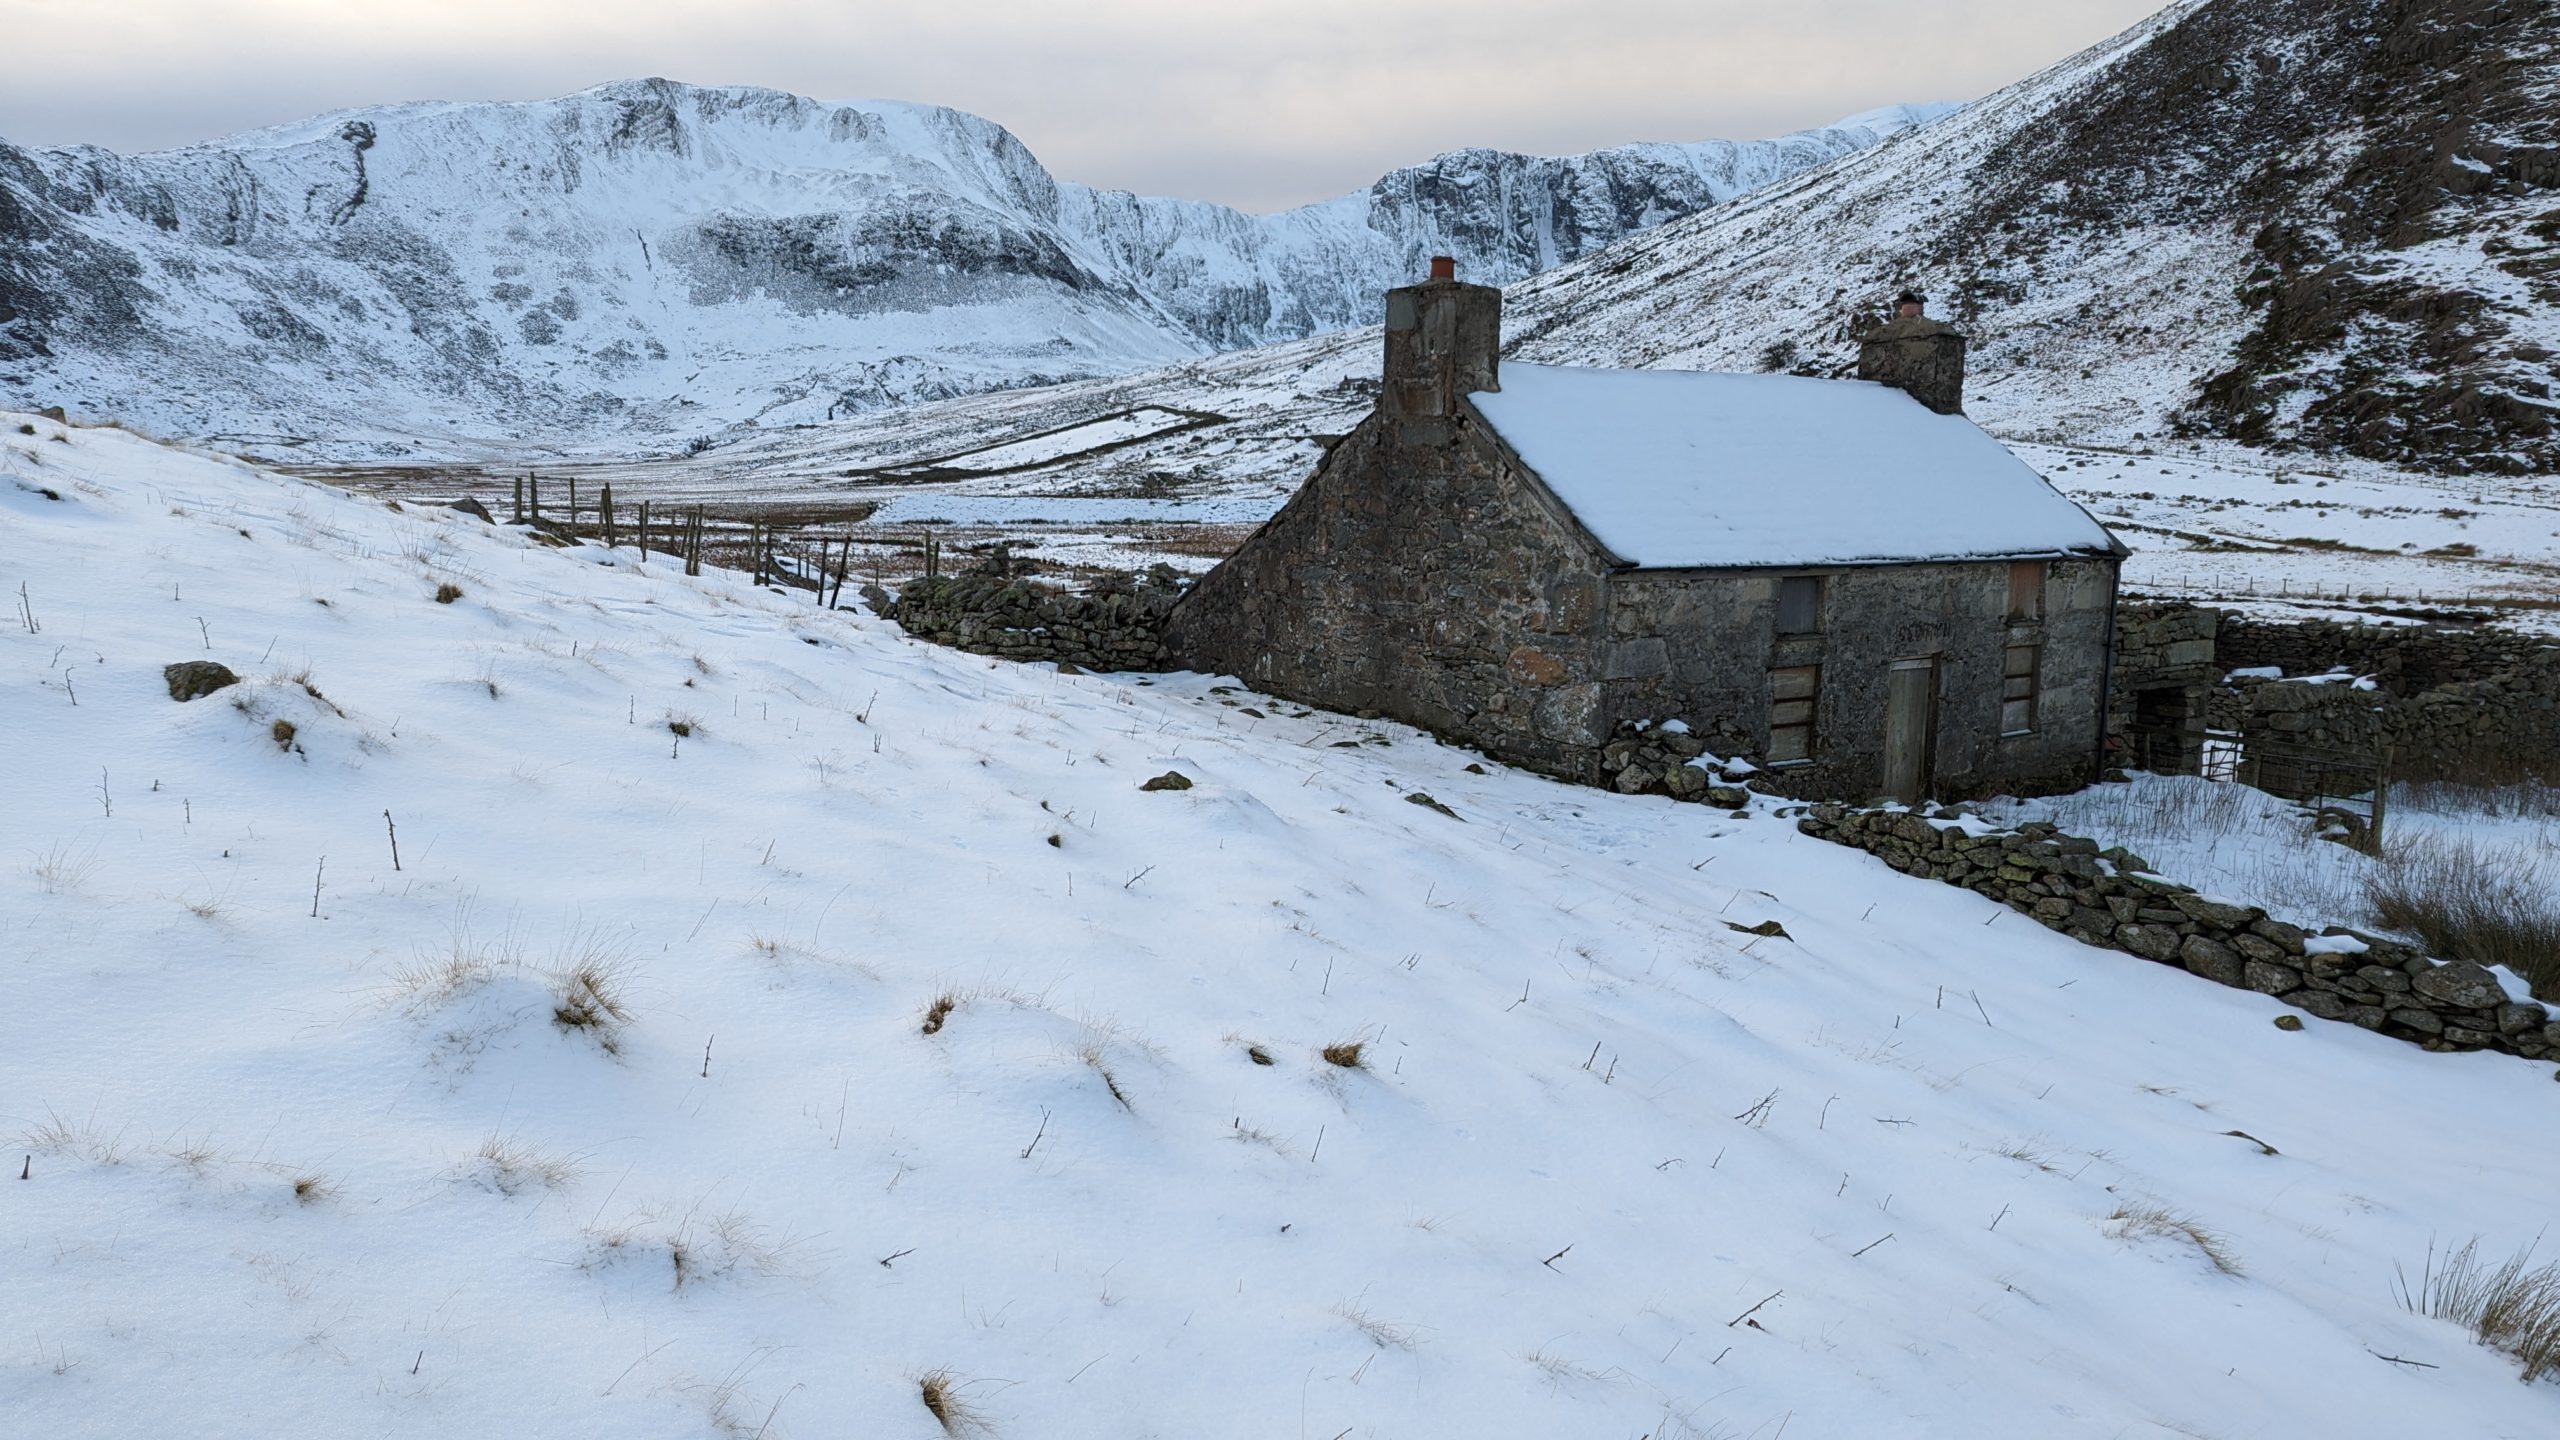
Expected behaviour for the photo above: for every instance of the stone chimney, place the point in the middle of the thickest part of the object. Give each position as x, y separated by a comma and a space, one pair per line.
1919, 356
1444, 340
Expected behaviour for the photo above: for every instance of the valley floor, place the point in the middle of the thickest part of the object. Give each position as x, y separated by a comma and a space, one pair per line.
1178, 466
768, 1021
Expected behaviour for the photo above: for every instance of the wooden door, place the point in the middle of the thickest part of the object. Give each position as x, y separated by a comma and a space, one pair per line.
1910, 723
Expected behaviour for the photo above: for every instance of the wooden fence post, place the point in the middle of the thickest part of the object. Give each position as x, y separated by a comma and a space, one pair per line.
607, 505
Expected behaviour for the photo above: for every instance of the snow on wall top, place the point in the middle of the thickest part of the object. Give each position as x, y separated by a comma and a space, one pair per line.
1670, 468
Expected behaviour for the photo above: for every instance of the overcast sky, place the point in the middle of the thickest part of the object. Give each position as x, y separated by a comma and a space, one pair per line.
1258, 103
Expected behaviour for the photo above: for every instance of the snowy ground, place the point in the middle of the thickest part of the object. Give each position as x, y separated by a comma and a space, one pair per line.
262, 1072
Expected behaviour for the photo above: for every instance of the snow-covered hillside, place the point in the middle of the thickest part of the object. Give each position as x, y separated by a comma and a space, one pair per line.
2324, 224
647, 261
308, 1137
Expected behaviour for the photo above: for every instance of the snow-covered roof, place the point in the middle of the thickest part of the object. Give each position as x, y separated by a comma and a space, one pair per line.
1672, 468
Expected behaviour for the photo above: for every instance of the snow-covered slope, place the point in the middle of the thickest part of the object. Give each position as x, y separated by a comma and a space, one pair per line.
2317, 223
306, 1141
649, 261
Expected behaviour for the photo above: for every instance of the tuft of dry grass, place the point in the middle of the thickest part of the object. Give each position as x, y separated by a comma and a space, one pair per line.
589, 992
2491, 904
282, 732
61, 869
939, 1011
57, 1136
2149, 1221
312, 1189
196, 1157
1349, 1054
1385, 1334
447, 593
512, 1167
302, 677
2507, 1307
1091, 1055
682, 726
695, 1250
939, 1390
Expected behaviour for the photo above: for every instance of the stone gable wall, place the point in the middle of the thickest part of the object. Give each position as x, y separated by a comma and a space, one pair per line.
2108, 899
1416, 575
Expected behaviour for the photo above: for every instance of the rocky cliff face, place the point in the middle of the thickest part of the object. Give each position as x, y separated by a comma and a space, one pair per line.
647, 261
2326, 224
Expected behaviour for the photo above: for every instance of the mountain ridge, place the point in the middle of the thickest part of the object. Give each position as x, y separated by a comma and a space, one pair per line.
649, 260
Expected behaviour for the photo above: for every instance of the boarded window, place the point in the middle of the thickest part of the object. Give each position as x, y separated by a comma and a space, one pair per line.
2018, 689
2026, 589
1800, 605
1793, 690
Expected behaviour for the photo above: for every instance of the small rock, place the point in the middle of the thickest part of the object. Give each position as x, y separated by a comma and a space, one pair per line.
191, 679
2269, 979
1169, 780
1728, 797
1069, 667
2462, 985
1417, 797
2222, 915
2212, 960
2151, 942
1765, 927
2288, 1022
474, 509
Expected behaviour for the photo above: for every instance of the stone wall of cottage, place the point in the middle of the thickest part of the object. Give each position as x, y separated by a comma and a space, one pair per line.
1698, 646
1418, 577
2109, 899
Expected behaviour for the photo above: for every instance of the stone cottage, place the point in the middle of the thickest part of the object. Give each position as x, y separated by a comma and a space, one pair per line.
1845, 580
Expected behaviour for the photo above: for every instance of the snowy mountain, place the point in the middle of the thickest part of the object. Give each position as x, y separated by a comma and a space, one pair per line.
694, 1070
2329, 224
648, 260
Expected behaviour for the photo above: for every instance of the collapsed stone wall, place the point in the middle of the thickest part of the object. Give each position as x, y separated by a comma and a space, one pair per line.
1118, 626
2109, 898
1669, 760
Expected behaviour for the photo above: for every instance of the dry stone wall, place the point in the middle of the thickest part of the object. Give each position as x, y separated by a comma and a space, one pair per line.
1117, 627
2109, 898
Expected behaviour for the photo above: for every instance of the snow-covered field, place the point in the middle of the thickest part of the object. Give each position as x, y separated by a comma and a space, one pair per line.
308, 1152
